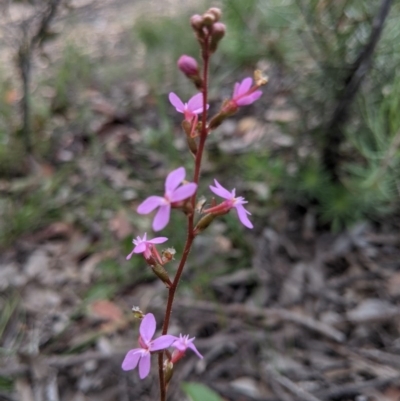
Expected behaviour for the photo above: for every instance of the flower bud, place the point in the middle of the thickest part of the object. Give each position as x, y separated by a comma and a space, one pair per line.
218, 33
196, 21
209, 19
188, 65
216, 12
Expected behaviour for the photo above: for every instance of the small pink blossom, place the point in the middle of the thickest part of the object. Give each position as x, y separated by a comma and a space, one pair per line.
182, 344
174, 193
231, 202
188, 65
190, 109
141, 355
145, 246
244, 93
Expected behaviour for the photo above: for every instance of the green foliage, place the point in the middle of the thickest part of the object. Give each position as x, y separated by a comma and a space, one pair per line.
252, 28
6, 384
74, 70
164, 39
200, 392
315, 43
7, 110
28, 208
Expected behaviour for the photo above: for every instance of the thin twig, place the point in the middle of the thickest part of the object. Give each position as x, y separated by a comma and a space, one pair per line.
289, 385
353, 389
269, 313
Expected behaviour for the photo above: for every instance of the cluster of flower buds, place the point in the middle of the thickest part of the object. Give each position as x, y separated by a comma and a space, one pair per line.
142, 356
208, 28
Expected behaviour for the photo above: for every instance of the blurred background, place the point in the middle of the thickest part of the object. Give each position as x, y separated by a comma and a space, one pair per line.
303, 307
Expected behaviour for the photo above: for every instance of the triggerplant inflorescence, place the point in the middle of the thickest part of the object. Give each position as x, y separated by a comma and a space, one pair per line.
180, 194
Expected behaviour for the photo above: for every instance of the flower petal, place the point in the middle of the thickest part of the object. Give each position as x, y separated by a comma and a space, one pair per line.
200, 110
140, 248
147, 327
256, 95
176, 102
242, 214
149, 204
196, 103
236, 90
162, 217
144, 365
183, 192
246, 100
245, 86
162, 342
194, 349
174, 179
131, 359
129, 256
220, 190
158, 240
179, 344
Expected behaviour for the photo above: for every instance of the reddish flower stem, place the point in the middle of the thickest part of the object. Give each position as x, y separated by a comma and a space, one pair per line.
190, 218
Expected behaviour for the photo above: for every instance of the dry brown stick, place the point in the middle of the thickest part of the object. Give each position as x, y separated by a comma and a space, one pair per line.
289, 385
365, 363
353, 389
289, 316
277, 389
380, 356
60, 362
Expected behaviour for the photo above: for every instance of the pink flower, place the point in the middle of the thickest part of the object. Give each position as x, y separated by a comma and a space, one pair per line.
244, 93
141, 355
174, 193
231, 202
190, 109
182, 344
145, 246
188, 65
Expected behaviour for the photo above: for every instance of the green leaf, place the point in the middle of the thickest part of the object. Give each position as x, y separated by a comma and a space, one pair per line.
200, 392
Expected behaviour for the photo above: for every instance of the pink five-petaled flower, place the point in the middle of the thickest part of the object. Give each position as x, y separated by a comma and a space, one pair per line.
141, 355
231, 202
182, 344
174, 193
145, 246
190, 109
244, 93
